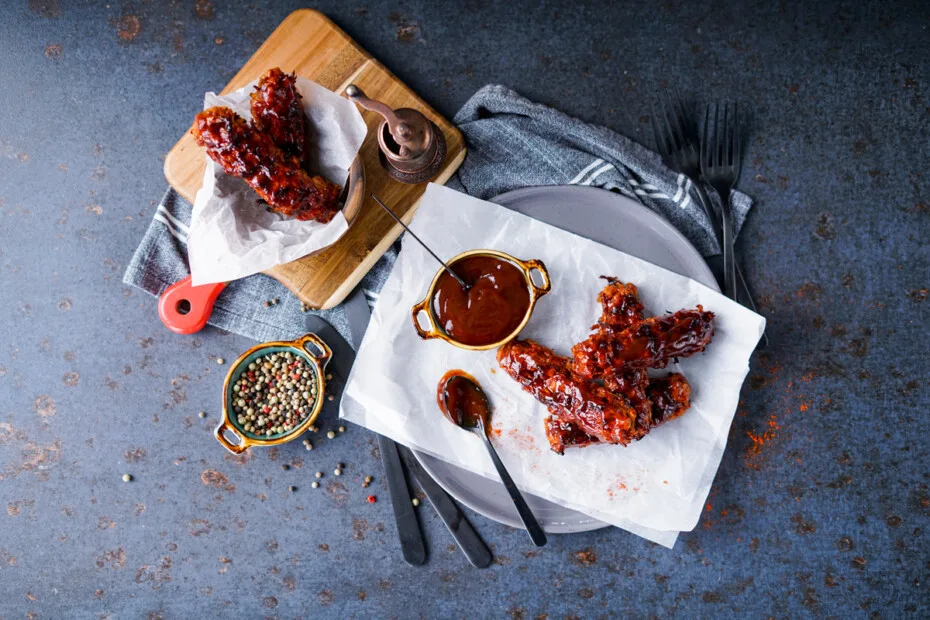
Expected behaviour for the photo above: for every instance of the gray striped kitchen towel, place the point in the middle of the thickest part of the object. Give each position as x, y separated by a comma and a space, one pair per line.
512, 142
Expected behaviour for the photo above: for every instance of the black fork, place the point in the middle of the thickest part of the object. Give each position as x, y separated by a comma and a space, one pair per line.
678, 143
721, 157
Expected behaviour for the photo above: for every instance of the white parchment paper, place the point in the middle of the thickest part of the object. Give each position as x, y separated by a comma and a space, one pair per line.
654, 486
232, 235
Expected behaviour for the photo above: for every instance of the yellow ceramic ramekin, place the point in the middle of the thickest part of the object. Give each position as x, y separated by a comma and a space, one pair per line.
535, 292
316, 358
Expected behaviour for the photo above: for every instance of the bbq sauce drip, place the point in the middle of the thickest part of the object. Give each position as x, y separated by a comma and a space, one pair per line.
490, 310
461, 400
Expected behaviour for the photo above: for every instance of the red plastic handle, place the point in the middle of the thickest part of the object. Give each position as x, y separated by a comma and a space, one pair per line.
184, 309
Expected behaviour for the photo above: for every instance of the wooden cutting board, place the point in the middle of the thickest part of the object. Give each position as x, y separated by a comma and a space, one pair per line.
308, 43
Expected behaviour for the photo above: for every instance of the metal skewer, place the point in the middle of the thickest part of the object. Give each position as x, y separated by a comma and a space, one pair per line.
433, 254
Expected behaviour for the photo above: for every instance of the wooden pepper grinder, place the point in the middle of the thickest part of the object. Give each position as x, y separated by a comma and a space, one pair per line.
412, 147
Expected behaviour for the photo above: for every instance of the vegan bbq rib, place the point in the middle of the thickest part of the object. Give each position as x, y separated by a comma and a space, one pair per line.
670, 397
620, 306
590, 407
651, 343
656, 400
667, 398
563, 433
620, 310
631, 385
243, 151
600, 396
277, 111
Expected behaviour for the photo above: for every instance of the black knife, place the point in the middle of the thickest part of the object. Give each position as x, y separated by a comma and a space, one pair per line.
462, 531
359, 315
408, 528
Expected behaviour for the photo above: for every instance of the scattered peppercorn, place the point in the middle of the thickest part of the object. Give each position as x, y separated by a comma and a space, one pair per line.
315, 484
329, 376
202, 414
342, 429
220, 360
293, 489
274, 394
275, 301
341, 465
415, 502
338, 472
308, 446
268, 303
330, 397
319, 474
372, 499
127, 478
285, 467
331, 434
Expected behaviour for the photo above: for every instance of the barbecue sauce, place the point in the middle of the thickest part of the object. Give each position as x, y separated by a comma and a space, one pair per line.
460, 398
494, 305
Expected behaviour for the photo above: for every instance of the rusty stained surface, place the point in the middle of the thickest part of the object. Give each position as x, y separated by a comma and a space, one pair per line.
821, 506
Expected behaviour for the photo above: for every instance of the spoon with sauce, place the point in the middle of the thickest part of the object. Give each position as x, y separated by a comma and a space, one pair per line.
463, 401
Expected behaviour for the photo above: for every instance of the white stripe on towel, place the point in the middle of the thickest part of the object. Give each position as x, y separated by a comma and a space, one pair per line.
588, 168
640, 192
646, 186
174, 232
178, 223
687, 200
677, 195
598, 173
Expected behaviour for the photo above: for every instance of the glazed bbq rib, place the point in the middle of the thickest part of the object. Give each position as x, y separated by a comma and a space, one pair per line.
590, 407
667, 397
620, 306
651, 343
562, 434
620, 310
656, 400
631, 385
670, 397
277, 111
653, 401
244, 152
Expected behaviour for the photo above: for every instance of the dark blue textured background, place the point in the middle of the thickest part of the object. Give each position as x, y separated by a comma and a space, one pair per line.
825, 513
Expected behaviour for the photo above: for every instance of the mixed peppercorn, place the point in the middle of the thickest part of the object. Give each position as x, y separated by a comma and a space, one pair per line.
274, 394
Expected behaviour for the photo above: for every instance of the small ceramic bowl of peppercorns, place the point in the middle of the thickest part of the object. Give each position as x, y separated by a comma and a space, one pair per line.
273, 393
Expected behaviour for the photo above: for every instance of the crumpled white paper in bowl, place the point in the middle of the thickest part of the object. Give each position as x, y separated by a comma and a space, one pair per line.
658, 483
232, 235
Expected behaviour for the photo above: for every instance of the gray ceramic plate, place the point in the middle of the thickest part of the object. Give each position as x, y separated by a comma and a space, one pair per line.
617, 222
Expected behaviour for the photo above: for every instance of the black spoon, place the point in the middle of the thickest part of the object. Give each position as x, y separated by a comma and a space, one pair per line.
467, 406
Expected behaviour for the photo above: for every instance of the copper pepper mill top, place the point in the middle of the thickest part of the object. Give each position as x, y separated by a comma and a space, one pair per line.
412, 147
